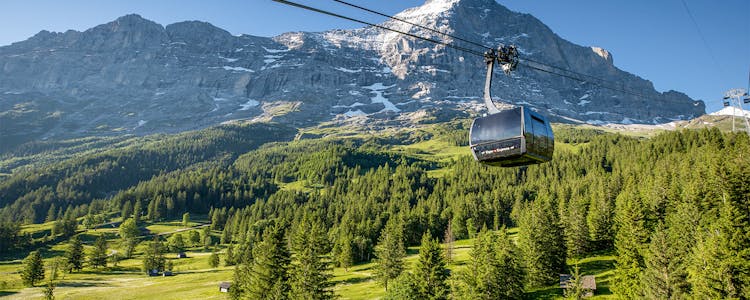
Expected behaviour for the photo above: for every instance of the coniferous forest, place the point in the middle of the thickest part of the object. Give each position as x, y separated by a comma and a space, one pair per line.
673, 210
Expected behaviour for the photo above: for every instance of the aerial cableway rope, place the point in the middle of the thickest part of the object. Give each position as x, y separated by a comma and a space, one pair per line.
542, 67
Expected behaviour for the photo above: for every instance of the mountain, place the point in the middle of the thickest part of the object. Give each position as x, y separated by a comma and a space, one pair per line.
731, 111
136, 76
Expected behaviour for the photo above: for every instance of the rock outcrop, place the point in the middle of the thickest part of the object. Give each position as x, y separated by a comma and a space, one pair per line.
135, 76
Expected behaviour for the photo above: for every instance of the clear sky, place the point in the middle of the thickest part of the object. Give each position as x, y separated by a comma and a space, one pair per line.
656, 40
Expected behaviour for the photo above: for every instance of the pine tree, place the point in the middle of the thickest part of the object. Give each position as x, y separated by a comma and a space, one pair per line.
51, 213
390, 252
186, 219
153, 257
98, 256
33, 269
129, 236
213, 260
49, 291
344, 252
599, 221
207, 239
494, 270
310, 271
659, 279
541, 242
576, 229
629, 242
449, 240
574, 289
266, 277
431, 272
74, 254
404, 287
176, 243
137, 212
195, 238
231, 258
126, 211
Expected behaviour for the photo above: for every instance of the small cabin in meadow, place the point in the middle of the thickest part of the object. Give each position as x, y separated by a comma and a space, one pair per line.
224, 287
588, 283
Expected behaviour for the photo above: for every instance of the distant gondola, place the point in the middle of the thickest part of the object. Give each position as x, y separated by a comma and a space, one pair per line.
512, 137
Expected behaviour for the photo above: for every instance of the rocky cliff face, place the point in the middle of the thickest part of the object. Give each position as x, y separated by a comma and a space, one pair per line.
135, 76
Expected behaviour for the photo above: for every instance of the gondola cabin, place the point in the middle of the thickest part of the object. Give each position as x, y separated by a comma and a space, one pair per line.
512, 137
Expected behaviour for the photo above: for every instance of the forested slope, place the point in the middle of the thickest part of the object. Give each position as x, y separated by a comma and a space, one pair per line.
674, 208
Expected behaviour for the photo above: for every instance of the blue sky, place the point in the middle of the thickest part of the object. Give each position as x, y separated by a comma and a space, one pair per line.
653, 39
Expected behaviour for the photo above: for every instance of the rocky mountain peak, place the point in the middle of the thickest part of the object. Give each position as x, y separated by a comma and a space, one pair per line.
129, 31
133, 75
199, 34
603, 53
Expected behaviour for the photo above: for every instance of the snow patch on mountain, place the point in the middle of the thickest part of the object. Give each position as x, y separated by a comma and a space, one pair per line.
345, 70
731, 111
249, 104
354, 113
237, 69
273, 50
430, 8
378, 89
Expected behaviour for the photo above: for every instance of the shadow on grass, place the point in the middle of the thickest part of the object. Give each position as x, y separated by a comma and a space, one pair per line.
361, 267
597, 266
77, 284
7, 293
353, 280
550, 292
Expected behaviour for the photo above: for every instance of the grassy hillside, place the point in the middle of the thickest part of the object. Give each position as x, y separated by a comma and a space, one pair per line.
196, 279
601, 189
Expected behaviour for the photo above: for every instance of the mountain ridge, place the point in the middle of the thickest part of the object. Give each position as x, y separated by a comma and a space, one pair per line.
134, 75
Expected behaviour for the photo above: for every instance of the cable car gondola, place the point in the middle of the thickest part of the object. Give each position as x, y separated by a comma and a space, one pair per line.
510, 137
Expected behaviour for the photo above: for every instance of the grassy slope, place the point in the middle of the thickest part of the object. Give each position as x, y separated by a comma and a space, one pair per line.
196, 280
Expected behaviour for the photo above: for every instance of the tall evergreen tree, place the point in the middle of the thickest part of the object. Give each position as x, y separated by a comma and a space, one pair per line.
74, 254
541, 242
33, 269
431, 273
98, 256
599, 221
266, 276
207, 239
494, 270
390, 252
186, 219
213, 260
310, 271
344, 251
137, 211
449, 240
631, 236
576, 229
153, 257
659, 279
404, 287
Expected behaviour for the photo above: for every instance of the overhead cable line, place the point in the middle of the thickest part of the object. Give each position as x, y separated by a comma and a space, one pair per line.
460, 48
703, 38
